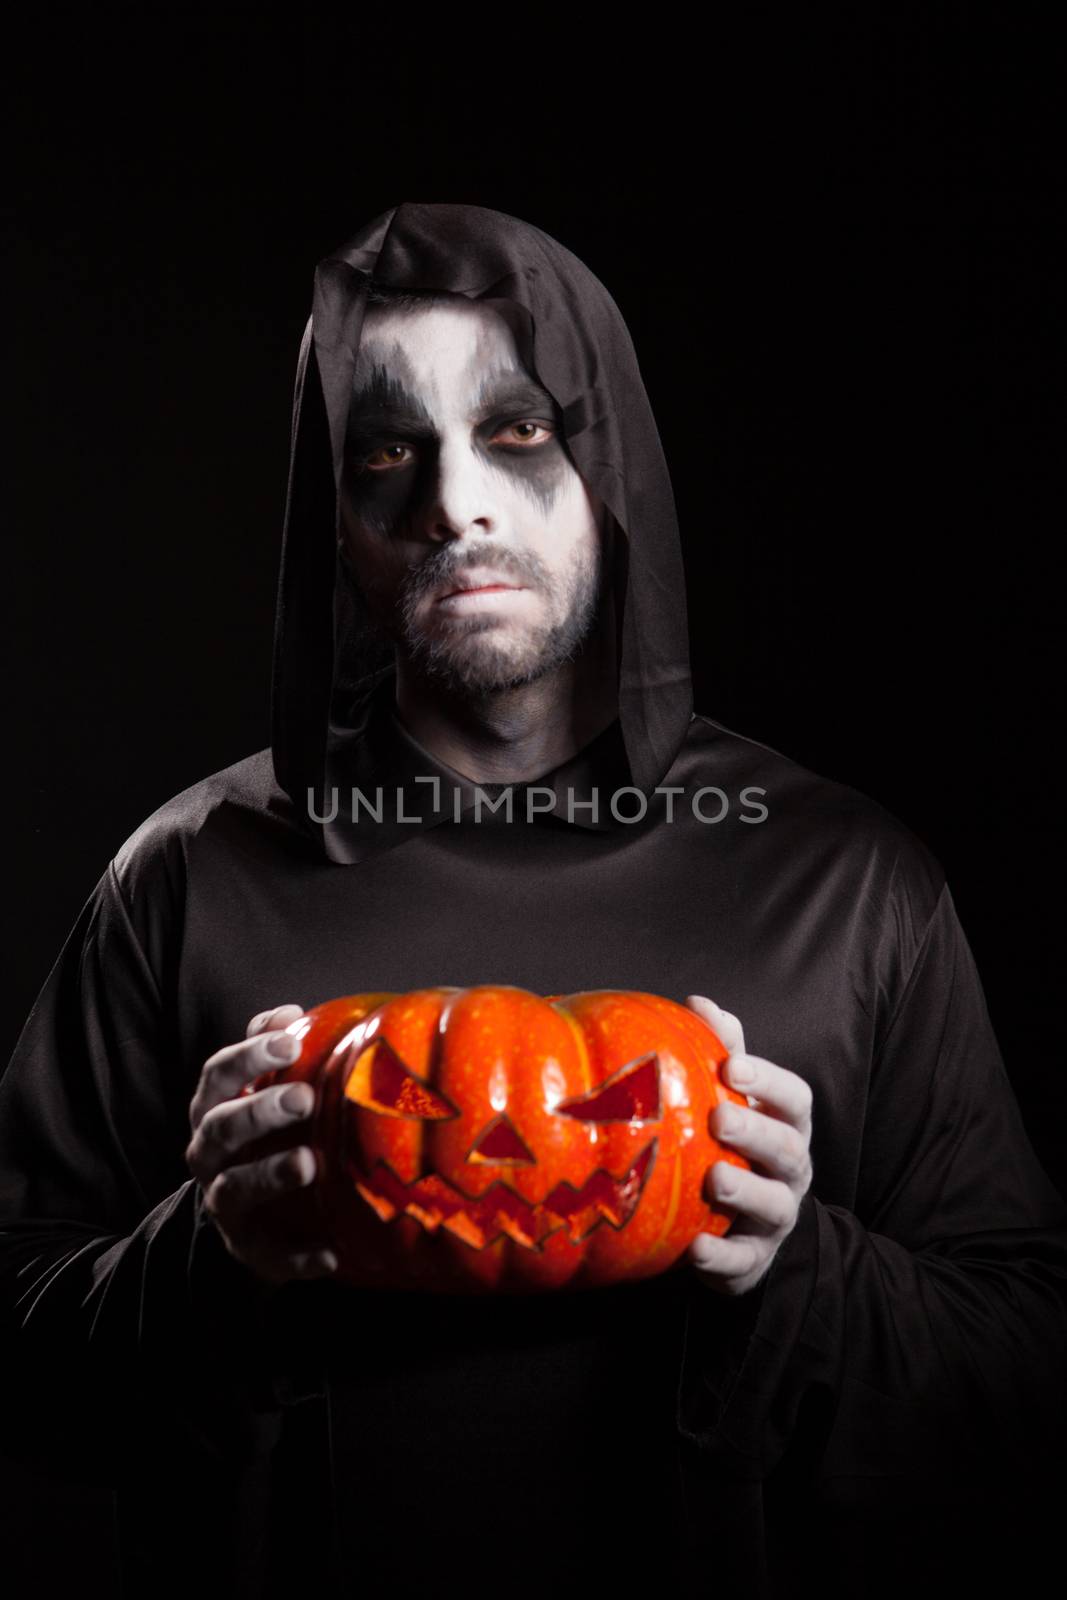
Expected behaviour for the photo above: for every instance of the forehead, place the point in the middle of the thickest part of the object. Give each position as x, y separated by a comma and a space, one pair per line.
452, 360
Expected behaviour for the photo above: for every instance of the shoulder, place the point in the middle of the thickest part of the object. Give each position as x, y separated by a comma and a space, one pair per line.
833, 825
237, 805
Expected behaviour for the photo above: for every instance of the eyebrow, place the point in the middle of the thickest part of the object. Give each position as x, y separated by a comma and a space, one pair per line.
383, 402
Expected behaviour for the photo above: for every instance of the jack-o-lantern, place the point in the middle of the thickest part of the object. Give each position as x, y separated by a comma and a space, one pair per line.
489, 1138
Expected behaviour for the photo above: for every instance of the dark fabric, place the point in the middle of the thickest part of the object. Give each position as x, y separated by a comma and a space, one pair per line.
883, 1410
902, 1358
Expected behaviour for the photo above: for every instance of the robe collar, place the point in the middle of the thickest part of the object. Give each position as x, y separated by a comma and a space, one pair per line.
384, 787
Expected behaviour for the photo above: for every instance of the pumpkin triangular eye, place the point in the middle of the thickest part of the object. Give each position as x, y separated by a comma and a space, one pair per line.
381, 1082
501, 1144
629, 1095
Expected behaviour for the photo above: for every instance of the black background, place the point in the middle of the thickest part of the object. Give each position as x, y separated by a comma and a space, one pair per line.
830, 232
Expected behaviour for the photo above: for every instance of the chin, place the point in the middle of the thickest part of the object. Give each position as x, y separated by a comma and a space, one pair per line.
478, 664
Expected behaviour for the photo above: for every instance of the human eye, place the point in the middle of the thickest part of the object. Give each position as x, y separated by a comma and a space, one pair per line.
375, 463
526, 441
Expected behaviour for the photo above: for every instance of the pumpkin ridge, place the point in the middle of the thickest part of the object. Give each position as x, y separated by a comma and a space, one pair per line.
584, 1058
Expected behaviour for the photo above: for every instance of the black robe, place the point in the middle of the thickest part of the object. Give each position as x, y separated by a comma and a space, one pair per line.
877, 1413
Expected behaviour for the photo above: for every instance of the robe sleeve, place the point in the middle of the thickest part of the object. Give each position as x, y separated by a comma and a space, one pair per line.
909, 1353
129, 1330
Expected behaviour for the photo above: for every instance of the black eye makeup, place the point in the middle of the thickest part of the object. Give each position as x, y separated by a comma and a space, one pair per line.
398, 454
392, 439
384, 409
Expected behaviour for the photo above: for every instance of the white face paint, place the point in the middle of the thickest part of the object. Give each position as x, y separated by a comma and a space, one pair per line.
456, 473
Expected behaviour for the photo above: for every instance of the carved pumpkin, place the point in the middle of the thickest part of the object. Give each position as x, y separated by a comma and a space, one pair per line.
489, 1138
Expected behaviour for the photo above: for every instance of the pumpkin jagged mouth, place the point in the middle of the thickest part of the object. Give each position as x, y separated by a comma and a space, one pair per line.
479, 1220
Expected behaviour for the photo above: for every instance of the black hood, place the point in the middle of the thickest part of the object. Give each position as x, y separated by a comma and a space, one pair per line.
572, 338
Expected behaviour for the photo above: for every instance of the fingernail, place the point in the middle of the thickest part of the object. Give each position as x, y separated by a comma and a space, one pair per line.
725, 1180
729, 1122
297, 1099
302, 1166
283, 1047
741, 1071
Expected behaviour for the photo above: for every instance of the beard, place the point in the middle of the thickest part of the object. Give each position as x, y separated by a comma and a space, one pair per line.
480, 655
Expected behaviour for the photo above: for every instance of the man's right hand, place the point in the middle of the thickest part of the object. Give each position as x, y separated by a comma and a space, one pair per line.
246, 1198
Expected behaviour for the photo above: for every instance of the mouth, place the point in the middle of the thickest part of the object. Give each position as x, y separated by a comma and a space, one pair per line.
474, 585
501, 1210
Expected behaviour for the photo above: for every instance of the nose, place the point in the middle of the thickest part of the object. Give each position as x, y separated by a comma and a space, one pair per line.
501, 1144
463, 497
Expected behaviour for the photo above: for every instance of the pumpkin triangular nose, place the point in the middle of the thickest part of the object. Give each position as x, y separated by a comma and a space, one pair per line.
499, 1142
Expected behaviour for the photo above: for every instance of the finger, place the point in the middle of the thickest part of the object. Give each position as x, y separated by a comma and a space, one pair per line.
724, 1023
779, 1092
225, 1074
226, 1128
767, 1201
316, 1261
235, 1193
278, 1017
777, 1146
729, 1263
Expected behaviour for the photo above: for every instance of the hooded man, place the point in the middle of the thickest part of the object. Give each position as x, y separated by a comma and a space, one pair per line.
482, 595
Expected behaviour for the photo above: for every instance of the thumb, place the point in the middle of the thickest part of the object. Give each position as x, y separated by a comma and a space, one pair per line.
724, 1023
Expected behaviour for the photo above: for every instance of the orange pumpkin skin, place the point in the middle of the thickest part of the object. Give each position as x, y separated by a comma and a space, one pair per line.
489, 1138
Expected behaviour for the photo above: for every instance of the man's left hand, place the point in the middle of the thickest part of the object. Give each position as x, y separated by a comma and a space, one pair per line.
774, 1134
